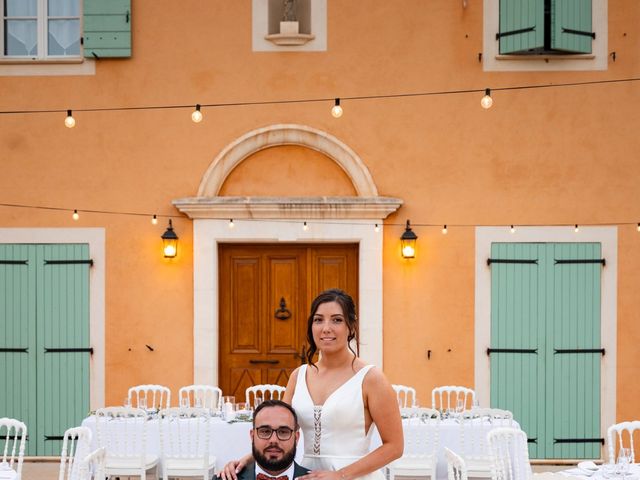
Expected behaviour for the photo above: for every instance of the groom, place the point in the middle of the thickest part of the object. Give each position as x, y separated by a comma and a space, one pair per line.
273, 440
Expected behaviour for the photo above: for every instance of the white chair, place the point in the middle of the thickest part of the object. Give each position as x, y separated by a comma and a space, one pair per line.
184, 439
14, 436
157, 397
406, 396
260, 391
122, 432
456, 468
510, 454
421, 439
92, 466
474, 446
451, 397
619, 429
203, 396
75, 444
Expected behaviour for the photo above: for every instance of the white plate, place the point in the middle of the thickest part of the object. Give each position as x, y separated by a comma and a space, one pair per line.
588, 465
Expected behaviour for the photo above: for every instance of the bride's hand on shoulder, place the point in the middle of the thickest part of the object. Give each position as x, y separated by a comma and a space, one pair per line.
231, 469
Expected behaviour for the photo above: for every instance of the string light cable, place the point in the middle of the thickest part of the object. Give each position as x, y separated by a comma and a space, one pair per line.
308, 223
333, 100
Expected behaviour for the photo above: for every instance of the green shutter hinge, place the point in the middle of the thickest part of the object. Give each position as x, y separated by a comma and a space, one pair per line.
127, 16
579, 32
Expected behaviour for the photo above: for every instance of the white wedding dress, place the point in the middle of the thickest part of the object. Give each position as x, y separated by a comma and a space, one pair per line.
334, 435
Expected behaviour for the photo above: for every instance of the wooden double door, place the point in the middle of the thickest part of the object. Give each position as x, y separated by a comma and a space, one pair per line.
265, 296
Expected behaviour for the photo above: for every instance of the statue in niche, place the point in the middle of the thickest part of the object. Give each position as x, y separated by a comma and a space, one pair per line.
289, 11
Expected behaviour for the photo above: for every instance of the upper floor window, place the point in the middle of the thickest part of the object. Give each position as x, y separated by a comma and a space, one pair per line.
40, 29
538, 35
533, 27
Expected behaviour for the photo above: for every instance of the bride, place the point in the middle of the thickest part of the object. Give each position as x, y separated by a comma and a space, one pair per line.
339, 400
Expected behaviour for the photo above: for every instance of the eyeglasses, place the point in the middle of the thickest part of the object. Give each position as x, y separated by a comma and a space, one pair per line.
283, 433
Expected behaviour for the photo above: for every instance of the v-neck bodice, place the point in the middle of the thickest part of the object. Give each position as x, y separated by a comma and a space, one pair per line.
334, 433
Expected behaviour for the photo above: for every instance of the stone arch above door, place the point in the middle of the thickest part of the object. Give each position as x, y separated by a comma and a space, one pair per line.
287, 134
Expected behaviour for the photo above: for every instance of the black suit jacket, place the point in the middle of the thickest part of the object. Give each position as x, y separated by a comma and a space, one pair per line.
249, 473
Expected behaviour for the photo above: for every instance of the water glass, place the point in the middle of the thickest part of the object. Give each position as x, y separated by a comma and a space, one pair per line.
142, 403
460, 405
127, 402
184, 401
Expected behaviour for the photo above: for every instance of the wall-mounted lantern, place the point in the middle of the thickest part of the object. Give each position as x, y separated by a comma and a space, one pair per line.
170, 242
408, 241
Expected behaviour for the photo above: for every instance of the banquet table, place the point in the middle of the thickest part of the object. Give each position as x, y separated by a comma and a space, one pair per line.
230, 441
590, 471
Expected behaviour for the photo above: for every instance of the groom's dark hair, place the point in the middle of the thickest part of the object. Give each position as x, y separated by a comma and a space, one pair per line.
275, 403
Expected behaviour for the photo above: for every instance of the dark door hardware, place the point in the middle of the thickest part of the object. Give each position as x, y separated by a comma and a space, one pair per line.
511, 350
507, 260
579, 32
515, 32
579, 350
282, 313
579, 440
69, 262
14, 350
271, 362
68, 350
14, 262
580, 261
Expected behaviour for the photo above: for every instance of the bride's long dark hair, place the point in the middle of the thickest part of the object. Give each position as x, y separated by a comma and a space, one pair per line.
345, 301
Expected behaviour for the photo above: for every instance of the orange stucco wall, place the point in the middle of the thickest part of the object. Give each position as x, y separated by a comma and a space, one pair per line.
539, 156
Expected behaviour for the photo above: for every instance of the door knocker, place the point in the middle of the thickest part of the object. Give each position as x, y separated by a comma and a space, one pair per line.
282, 313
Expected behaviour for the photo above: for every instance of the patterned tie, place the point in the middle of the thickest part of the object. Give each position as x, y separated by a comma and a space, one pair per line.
262, 476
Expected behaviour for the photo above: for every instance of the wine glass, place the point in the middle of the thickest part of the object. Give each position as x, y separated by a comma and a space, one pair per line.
142, 403
623, 462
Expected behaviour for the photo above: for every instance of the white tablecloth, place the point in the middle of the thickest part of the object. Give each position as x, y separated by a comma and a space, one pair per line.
229, 441
603, 472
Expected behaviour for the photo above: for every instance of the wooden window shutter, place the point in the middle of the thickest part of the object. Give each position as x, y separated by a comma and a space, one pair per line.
571, 26
521, 26
107, 28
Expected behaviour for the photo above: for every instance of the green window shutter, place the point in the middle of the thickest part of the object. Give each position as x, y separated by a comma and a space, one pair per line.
18, 336
107, 28
521, 26
571, 26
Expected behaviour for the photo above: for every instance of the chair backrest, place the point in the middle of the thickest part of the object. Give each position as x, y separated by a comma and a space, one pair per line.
451, 397
624, 439
474, 426
406, 396
260, 392
456, 467
421, 442
92, 466
13, 435
200, 396
122, 431
184, 434
75, 444
509, 454
156, 396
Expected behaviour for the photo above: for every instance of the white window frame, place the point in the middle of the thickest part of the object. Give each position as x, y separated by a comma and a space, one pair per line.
493, 61
260, 29
42, 38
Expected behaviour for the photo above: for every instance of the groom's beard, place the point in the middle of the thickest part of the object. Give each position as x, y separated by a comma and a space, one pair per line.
273, 464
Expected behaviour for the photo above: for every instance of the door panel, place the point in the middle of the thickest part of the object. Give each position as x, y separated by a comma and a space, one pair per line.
44, 306
265, 296
550, 309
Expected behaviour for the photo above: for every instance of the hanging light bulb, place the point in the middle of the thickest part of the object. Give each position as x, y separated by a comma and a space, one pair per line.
75, 215
486, 101
69, 122
576, 228
444, 230
639, 227
231, 224
376, 228
512, 229
336, 110
154, 220
196, 115
305, 227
